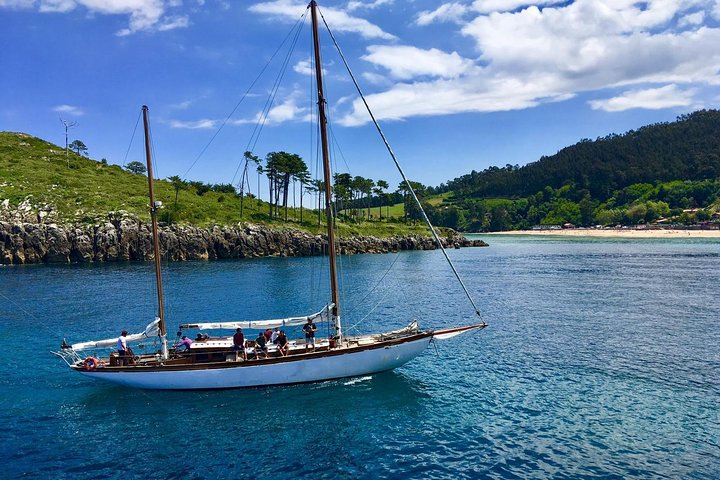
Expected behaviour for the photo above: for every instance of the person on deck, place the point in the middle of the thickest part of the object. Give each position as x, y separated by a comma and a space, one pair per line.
260, 345
186, 342
274, 336
309, 329
122, 348
283, 345
239, 342
268, 335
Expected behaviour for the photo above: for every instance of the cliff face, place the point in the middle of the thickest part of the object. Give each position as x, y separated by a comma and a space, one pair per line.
129, 239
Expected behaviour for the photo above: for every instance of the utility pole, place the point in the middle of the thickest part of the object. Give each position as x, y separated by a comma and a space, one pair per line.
67, 125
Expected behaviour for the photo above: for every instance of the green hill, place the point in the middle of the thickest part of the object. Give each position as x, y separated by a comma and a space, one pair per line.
75, 189
78, 189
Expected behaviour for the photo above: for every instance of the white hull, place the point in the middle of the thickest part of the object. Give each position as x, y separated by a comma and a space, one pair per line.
250, 374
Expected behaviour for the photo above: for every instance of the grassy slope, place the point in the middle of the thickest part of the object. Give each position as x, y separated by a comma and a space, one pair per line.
86, 190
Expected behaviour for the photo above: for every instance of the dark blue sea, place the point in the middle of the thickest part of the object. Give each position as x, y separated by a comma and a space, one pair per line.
602, 360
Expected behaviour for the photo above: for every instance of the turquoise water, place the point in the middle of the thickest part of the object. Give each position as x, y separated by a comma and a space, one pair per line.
601, 361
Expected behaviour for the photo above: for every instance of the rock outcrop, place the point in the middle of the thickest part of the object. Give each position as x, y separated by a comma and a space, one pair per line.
126, 238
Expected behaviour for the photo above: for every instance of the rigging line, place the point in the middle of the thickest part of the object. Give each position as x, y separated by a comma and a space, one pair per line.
255, 136
377, 304
44, 325
155, 169
154, 156
336, 226
399, 168
397, 255
131, 139
336, 145
273, 93
257, 130
247, 92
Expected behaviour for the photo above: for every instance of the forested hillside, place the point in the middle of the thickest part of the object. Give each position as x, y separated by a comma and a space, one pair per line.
688, 149
645, 175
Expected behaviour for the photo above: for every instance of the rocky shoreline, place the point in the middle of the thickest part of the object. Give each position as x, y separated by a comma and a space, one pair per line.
128, 239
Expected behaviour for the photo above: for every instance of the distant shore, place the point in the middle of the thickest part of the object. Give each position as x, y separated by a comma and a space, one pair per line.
616, 232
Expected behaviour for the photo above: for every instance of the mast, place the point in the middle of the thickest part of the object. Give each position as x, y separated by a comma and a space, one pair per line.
326, 173
156, 242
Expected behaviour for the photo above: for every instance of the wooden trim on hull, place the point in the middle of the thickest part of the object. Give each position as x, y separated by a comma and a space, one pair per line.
253, 362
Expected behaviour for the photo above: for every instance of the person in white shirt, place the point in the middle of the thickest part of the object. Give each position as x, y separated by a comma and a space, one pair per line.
122, 348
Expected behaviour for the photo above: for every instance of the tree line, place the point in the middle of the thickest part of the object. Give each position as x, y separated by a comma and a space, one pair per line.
658, 171
687, 149
354, 198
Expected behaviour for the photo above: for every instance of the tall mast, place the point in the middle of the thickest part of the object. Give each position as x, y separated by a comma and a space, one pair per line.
156, 242
326, 172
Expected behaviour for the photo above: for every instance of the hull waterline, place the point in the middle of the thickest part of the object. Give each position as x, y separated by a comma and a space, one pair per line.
312, 368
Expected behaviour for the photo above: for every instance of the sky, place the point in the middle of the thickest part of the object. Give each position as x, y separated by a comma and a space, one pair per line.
456, 86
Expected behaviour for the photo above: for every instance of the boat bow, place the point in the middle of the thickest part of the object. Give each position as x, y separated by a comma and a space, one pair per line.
454, 332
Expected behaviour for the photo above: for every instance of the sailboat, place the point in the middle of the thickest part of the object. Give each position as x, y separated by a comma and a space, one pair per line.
216, 363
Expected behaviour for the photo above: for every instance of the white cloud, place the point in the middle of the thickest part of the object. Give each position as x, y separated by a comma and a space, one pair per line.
444, 97
171, 23
375, 78
287, 111
339, 20
447, 12
455, 11
668, 96
306, 67
205, 123
490, 6
59, 6
145, 15
529, 56
184, 105
16, 3
692, 19
356, 5
69, 109
406, 62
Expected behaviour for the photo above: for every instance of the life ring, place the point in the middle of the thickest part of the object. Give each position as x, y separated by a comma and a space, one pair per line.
91, 363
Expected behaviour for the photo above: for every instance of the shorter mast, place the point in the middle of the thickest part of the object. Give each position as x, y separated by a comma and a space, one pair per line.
335, 312
156, 242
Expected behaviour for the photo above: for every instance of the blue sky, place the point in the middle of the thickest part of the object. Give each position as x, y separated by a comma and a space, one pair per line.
457, 86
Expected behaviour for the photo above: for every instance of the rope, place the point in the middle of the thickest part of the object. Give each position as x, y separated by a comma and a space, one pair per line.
273, 92
10, 301
131, 139
247, 92
397, 255
399, 168
154, 156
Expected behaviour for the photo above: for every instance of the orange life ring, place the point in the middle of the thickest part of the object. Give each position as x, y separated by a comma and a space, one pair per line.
91, 363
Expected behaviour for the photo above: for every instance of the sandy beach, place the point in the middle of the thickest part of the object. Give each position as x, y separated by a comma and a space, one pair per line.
616, 232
